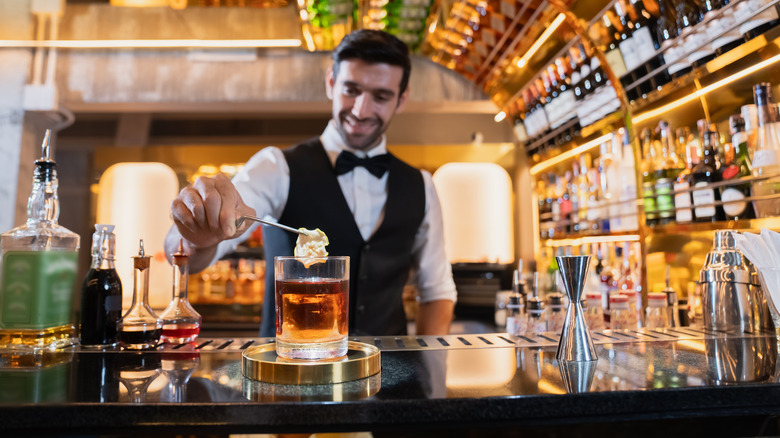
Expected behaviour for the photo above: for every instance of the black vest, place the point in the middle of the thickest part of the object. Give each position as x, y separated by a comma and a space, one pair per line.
380, 267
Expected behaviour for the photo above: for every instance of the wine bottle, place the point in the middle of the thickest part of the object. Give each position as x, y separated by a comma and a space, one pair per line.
666, 171
648, 181
682, 199
766, 159
740, 167
704, 174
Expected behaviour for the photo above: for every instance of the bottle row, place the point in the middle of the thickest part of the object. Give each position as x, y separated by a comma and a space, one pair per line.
646, 43
475, 30
685, 177
612, 299
240, 281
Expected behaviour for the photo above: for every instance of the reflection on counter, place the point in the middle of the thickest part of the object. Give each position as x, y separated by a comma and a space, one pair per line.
39, 377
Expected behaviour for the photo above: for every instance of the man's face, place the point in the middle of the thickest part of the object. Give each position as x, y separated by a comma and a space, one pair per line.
365, 98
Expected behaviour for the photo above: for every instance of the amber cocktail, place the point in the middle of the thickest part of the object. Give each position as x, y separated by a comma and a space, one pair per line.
312, 306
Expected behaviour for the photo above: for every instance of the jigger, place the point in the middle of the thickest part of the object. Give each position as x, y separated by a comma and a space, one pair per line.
576, 343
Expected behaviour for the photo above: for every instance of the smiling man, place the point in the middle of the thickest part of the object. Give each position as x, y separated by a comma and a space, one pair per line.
375, 208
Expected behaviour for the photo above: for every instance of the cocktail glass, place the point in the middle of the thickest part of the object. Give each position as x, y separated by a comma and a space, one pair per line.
312, 307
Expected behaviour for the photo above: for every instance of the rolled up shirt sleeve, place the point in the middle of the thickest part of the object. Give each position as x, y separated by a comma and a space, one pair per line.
263, 184
431, 269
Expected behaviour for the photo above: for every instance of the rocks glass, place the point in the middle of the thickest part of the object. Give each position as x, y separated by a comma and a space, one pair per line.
312, 307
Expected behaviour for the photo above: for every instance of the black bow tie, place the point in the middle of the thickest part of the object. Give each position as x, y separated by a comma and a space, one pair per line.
377, 165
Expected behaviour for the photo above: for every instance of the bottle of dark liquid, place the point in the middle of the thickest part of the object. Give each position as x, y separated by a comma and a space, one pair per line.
181, 323
702, 175
101, 295
740, 167
140, 328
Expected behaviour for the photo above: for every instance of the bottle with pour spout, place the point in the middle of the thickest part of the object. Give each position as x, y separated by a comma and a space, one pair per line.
39, 262
140, 328
101, 295
180, 322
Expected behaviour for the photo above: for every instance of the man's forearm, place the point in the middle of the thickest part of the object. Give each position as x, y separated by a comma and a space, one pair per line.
435, 317
200, 258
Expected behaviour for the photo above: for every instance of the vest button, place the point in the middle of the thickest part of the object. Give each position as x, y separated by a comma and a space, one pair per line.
363, 277
361, 308
367, 248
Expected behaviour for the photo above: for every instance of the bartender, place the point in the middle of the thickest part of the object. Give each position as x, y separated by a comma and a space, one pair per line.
375, 208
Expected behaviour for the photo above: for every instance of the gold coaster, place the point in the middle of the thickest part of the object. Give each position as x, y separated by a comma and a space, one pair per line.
261, 363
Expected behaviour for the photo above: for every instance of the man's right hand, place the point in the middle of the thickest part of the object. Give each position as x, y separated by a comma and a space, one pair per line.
205, 213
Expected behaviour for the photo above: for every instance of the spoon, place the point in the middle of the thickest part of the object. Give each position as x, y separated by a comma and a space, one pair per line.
241, 220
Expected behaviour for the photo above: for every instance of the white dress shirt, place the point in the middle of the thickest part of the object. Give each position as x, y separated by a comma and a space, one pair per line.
264, 183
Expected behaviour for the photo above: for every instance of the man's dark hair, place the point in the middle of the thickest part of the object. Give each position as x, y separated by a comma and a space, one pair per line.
373, 47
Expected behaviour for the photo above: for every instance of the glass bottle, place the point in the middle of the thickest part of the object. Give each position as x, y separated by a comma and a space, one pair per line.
766, 159
594, 313
556, 313
702, 175
537, 323
648, 178
39, 262
516, 320
101, 294
620, 317
666, 171
180, 322
140, 328
682, 197
741, 167
657, 314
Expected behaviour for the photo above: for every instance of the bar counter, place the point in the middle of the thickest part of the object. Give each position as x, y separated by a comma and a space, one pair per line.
645, 383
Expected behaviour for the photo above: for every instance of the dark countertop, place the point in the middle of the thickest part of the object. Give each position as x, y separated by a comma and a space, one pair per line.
644, 384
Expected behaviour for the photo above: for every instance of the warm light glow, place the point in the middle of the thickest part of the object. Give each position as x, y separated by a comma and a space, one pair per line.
548, 388
572, 153
491, 368
140, 3
591, 239
693, 345
709, 88
538, 43
150, 44
500, 116
136, 197
476, 201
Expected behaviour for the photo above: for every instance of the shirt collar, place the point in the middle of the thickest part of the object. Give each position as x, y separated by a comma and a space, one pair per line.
333, 143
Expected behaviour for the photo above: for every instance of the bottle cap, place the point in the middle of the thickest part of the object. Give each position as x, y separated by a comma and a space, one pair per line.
555, 299
656, 299
103, 242
618, 302
591, 296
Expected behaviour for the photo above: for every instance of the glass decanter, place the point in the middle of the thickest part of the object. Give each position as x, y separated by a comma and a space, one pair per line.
140, 328
39, 263
180, 322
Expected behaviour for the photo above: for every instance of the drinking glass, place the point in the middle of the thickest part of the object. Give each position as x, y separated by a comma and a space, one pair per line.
312, 306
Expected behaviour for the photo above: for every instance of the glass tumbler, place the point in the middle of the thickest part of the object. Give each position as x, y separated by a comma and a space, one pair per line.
312, 306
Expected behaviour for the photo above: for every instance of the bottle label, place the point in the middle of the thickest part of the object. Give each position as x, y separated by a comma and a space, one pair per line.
766, 158
648, 192
733, 194
628, 50
704, 197
643, 44
682, 201
615, 60
37, 289
664, 200
516, 325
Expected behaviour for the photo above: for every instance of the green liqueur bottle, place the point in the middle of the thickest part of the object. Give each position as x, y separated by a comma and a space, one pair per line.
39, 261
666, 171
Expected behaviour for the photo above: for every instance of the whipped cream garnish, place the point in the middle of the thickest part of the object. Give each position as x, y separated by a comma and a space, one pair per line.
310, 245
